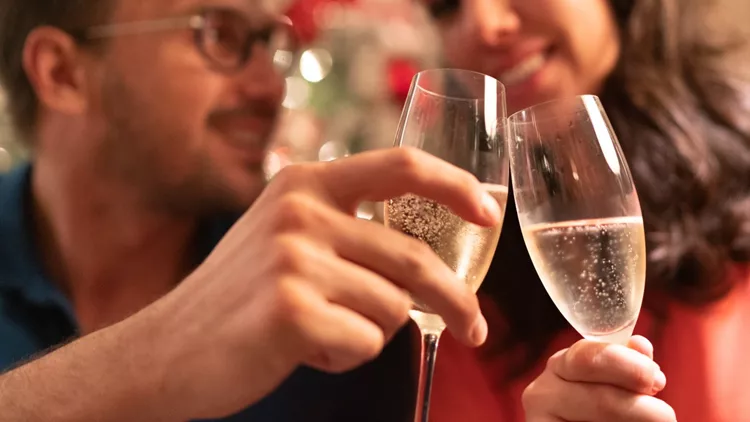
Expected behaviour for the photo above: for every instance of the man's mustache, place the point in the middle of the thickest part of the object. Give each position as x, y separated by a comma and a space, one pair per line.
264, 116
256, 110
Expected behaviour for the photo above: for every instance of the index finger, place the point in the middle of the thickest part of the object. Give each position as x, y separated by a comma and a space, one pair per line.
603, 363
386, 174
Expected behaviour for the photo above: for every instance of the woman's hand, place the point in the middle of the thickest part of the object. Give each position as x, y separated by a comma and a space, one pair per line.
599, 382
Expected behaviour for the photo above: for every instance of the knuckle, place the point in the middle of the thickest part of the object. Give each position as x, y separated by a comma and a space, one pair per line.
632, 370
372, 345
531, 397
398, 312
290, 177
422, 252
290, 256
298, 211
554, 361
340, 366
641, 376
467, 181
295, 212
469, 303
409, 161
583, 359
368, 348
415, 261
402, 307
332, 362
337, 367
289, 303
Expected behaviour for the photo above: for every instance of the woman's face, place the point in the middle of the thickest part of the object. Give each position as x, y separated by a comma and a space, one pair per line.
539, 49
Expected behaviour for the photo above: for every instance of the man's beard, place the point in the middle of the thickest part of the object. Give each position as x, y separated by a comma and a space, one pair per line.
135, 152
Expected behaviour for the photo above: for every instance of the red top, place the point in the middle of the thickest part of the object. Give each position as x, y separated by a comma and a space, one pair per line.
703, 353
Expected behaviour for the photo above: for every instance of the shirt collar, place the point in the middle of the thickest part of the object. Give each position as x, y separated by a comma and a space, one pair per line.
22, 271
20, 267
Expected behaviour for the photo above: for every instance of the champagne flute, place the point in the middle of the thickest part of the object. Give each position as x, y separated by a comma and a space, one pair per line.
580, 214
460, 117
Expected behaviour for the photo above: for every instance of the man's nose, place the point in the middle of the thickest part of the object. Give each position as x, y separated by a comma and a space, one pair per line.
261, 79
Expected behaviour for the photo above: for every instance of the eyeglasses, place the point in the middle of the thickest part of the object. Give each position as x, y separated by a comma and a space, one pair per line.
224, 37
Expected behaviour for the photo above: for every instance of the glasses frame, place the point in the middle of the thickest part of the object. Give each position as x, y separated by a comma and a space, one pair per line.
283, 59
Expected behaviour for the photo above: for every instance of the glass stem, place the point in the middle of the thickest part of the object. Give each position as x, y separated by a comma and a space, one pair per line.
426, 370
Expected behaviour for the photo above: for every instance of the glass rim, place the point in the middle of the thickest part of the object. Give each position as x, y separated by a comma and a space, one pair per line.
578, 100
415, 83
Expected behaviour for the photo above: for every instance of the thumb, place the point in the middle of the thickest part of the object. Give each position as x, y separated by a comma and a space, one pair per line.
642, 345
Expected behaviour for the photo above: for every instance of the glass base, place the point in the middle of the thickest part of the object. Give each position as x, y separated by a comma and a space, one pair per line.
428, 323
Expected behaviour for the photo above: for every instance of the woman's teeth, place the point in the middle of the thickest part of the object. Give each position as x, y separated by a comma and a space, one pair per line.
523, 70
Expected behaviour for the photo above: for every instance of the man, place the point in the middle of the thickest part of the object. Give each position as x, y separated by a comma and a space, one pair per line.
148, 122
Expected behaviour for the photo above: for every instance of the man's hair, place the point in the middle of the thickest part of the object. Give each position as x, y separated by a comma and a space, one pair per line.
18, 18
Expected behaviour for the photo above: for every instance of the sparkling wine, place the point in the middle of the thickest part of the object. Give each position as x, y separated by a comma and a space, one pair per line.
594, 270
465, 247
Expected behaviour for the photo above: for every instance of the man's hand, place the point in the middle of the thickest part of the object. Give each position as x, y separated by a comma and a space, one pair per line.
300, 281
598, 382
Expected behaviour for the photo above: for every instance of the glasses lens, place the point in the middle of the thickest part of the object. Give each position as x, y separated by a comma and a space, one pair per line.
228, 39
224, 36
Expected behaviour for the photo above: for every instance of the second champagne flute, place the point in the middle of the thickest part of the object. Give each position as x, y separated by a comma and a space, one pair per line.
458, 116
580, 215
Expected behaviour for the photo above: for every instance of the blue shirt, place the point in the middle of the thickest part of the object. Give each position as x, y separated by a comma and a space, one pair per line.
35, 316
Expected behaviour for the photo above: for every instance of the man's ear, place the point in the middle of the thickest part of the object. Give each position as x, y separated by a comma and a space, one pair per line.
56, 69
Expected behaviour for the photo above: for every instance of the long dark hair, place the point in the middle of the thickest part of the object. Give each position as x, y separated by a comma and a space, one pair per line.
684, 124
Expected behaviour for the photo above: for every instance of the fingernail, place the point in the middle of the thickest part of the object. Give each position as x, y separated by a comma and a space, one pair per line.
491, 207
660, 381
479, 331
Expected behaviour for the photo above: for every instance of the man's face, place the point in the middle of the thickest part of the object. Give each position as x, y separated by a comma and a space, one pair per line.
188, 137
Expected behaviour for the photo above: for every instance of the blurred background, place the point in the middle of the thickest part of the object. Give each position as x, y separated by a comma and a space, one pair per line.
350, 81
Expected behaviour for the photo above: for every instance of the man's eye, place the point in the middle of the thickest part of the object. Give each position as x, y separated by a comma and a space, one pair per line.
444, 8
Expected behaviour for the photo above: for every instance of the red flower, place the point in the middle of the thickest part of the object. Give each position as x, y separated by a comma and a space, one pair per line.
303, 15
400, 73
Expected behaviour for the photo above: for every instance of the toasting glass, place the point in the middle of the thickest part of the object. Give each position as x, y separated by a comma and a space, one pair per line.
460, 117
580, 214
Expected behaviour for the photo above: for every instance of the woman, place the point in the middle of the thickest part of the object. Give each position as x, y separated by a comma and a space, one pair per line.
684, 124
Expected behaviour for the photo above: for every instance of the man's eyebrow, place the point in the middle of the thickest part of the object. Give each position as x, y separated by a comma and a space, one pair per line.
253, 10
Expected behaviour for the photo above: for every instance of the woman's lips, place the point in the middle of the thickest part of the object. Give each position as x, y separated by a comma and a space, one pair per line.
524, 70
